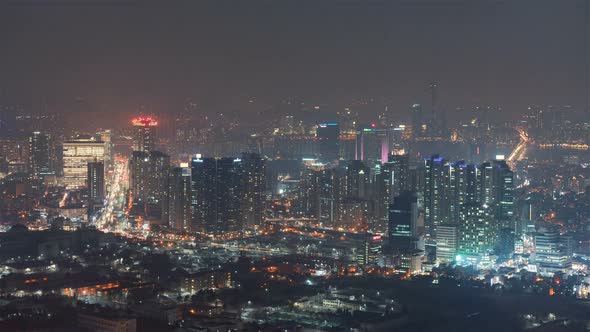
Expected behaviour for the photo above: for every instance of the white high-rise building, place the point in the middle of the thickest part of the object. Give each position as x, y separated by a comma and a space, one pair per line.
77, 153
447, 242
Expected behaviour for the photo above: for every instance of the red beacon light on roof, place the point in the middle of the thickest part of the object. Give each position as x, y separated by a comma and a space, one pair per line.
144, 122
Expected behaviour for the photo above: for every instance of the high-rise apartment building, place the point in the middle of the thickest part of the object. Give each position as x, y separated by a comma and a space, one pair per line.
477, 232
178, 214
149, 173
227, 194
253, 188
436, 189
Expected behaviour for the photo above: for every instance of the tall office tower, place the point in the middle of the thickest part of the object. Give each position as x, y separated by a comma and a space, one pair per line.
356, 180
373, 144
41, 155
447, 243
253, 187
144, 139
553, 251
496, 189
477, 232
178, 214
95, 181
328, 135
216, 195
436, 188
403, 222
77, 153
417, 120
149, 178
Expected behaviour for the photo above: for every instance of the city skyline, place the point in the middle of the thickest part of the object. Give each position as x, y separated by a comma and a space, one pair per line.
297, 165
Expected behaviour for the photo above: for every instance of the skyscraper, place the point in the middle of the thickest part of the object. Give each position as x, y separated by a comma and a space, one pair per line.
435, 195
95, 181
77, 153
149, 173
403, 222
328, 135
253, 187
496, 189
144, 139
216, 186
462, 188
178, 214
397, 168
477, 232
41, 155
356, 180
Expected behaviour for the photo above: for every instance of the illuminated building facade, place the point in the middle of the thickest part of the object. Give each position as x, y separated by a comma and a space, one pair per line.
357, 180
447, 243
370, 250
496, 189
553, 251
253, 187
41, 155
227, 194
149, 173
178, 214
96, 184
435, 195
373, 144
77, 154
317, 193
144, 139
477, 232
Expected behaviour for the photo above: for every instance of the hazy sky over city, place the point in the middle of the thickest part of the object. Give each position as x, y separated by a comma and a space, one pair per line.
118, 55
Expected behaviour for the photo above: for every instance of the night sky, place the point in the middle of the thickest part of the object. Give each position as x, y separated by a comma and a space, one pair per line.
118, 56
